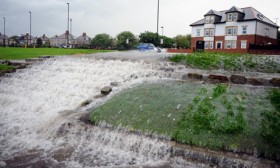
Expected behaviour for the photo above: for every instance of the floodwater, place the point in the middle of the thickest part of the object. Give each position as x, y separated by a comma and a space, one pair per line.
39, 114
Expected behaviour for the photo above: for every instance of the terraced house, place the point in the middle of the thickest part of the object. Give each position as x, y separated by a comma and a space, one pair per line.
233, 30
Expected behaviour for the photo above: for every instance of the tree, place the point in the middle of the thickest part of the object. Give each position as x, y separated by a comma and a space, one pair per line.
102, 41
149, 37
167, 42
125, 37
39, 42
183, 41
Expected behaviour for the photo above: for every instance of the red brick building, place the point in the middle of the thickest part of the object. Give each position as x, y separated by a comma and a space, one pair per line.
233, 30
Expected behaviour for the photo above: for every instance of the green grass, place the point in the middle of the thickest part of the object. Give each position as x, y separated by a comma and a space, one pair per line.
23, 53
229, 62
5, 67
211, 116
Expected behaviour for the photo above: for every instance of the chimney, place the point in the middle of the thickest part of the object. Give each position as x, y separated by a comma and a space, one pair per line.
67, 33
84, 34
44, 36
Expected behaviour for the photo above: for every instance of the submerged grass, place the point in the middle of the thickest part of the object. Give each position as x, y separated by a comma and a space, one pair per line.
229, 61
23, 53
212, 116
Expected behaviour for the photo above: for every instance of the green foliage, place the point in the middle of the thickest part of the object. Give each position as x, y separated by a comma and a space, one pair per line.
271, 120
167, 42
229, 61
121, 40
102, 41
183, 41
39, 42
149, 37
203, 115
5, 67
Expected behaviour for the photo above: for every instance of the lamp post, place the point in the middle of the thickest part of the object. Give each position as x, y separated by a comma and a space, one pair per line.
4, 39
68, 26
162, 30
157, 21
30, 28
161, 40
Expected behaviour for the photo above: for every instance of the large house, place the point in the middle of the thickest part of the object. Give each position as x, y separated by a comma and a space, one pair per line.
233, 30
62, 40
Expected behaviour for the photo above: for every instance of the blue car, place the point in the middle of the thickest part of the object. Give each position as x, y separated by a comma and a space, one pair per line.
146, 46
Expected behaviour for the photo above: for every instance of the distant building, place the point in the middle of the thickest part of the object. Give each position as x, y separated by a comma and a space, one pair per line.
45, 39
61, 41
83, 40
233, 29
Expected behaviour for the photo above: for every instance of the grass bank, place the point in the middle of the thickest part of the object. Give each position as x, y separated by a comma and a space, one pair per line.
9, 53
230, 62
5, 67
213, 116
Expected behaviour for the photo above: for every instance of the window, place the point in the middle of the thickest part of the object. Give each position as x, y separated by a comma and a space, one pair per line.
211, 32
230, 44
198, 32
208, 45
235, 17
243, 44
229, 17
209, 19
244, 29
208, 32
231, 31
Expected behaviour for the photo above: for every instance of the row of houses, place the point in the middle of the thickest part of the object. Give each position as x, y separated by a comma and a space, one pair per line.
64, 40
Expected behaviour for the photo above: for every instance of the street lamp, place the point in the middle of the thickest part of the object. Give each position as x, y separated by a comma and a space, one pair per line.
161, 40
30, 28
157, 21
68, 26
4, 39
162, 30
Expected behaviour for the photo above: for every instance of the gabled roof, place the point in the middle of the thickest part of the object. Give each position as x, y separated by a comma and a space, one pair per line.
235, 9
83, 37
213, 12
249, 14
63, 36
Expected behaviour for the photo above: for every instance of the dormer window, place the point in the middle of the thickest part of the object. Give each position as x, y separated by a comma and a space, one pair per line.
209, 19
229, 17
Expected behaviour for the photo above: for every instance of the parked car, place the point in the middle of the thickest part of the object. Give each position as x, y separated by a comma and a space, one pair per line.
146, 46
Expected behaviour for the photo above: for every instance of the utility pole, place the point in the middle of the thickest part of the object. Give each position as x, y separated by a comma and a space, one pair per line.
157, 22
4, 39
68, 27
30, 29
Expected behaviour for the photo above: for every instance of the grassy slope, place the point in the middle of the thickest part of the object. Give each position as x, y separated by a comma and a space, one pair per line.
152, 108
5, 67
229, 62
22, 53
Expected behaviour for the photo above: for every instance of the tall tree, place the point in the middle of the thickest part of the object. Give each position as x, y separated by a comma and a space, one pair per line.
149, 37
102, 41
167, 42
126, 40
39, 42
183, 41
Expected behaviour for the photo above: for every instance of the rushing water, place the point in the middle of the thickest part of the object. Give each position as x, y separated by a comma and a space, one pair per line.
39, 116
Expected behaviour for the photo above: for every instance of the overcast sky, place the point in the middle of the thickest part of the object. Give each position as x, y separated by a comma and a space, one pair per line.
114, 16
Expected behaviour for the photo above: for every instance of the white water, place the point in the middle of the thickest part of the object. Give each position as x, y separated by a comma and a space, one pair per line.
37, 101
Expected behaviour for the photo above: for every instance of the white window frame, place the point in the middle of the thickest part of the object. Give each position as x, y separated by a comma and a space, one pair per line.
234, 31
211, 33
207, 19
229, 17
206, 45
233, 44
228, 45
235, 17
227, 29
243, 44
211, 19
198, 32
206, 32
244, 30
211, 45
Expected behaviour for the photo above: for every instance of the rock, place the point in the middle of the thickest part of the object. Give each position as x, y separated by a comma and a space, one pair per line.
255, 81
237, 79
218, 79
63, 154
99, 96
195, 76
106, 90
275, 82
114, 84
85, 103
85, 117
64, 129
178, 107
